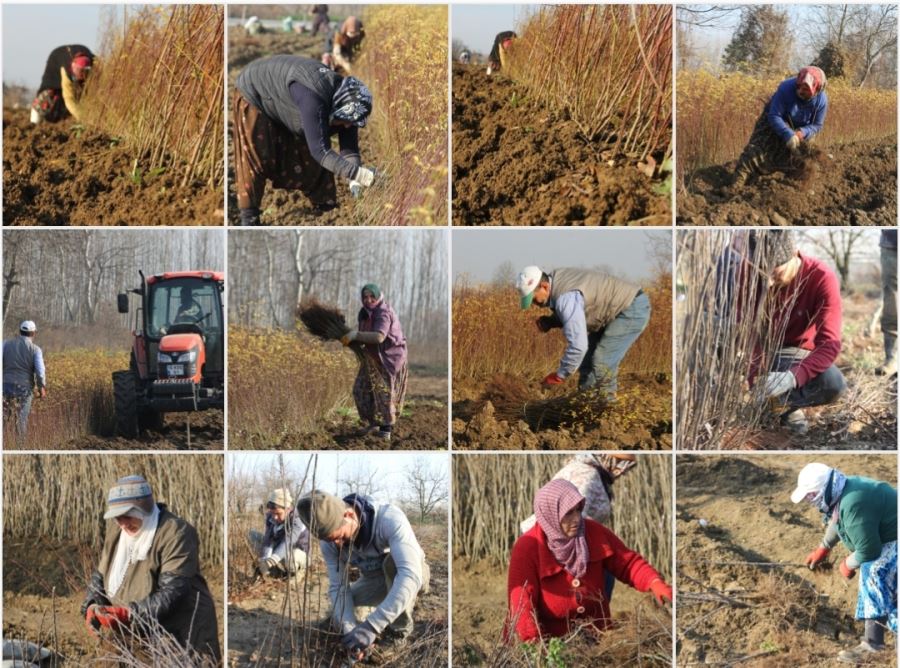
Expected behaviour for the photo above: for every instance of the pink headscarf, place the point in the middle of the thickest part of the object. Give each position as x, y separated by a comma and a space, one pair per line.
551, 503
813, 77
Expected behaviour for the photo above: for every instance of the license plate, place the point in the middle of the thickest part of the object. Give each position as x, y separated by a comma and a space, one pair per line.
176, 369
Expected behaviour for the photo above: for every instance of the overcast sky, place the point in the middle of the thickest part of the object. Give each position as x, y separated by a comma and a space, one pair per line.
477, 25
479, 253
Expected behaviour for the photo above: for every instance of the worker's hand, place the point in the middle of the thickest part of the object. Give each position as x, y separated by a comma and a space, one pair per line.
661, 591
846, 571
552, 379
356, 189
90, 619
349, 337
793, 144
779, 382
266, 564
816, 557
360, 638
112, 617
365, 176
547, 322
43, 393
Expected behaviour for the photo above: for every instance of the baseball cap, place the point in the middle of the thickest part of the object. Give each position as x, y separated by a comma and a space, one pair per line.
132, 491
528, 280
812, 478
28, 326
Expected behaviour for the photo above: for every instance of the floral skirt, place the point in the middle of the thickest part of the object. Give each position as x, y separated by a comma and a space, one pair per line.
379, 395
878, 587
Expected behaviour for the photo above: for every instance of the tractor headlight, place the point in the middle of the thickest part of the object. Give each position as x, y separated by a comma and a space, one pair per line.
189, 357
163, 358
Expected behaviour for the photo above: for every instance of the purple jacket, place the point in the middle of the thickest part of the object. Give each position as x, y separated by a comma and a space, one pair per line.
391, 351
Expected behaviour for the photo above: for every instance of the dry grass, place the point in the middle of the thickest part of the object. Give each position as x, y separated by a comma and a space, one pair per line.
716, 115
159, 84
609, 66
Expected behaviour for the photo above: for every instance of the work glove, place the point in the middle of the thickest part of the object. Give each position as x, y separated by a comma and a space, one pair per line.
265, 565
661, 591
552, 379
846, 571
112, 617
365, 176
349, 337
360, 638
779, 382
547, 322
356, 188
793, 144
90, 619
816, 557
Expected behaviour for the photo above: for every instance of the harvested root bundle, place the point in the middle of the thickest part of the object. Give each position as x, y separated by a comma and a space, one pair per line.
513, 401
323, 322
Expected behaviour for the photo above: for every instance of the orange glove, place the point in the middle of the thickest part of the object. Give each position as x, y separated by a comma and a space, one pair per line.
816, 557
552, 379
846, 571
90, 619
661, 591
112, 617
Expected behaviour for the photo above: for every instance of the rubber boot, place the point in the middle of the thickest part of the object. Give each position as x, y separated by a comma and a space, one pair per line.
795, 421
249, 217
871, 645
889, 366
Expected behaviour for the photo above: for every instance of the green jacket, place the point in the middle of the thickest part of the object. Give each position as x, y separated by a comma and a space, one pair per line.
867, 516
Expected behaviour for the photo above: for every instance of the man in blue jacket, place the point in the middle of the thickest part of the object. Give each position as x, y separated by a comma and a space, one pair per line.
794, 115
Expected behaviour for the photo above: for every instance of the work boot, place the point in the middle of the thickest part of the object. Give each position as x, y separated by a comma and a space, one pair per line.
384, 433
739, 178
862, 653
888, 367
795, 422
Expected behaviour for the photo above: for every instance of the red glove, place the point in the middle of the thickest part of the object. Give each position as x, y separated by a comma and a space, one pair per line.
661, 591
552, 379
112, 617
816, 557
846, 571
91, 620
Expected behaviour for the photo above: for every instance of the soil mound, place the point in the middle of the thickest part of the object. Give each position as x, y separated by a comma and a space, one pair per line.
844, 184
516, 163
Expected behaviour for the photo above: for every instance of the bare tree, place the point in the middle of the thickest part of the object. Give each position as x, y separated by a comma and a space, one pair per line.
361, 478
426, 486
840, 246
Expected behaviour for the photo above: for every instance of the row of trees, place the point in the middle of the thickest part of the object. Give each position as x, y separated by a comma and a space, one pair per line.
856, 42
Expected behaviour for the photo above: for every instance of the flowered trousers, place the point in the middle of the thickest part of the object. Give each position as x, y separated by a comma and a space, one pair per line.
878, 587
765, 150
378, 394
50, 106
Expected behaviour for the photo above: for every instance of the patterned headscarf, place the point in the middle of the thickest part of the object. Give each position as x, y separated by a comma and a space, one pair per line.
830, 494
352, 102
813, 77
551, 503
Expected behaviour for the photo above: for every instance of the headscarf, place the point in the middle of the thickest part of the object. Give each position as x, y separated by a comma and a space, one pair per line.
813, 77
551, 503
351, 25
352, 102
81, 66
373, 288
131, 549
830, 494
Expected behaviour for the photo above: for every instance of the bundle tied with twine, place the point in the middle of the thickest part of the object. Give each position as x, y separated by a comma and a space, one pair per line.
512, 400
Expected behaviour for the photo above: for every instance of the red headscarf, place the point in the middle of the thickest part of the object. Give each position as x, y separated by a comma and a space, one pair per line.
81, 65
551, 503
813, 77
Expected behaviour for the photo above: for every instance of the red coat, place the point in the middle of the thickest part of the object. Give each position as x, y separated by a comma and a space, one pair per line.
538, 586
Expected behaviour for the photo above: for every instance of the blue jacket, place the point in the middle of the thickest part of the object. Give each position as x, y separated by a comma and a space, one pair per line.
786, 105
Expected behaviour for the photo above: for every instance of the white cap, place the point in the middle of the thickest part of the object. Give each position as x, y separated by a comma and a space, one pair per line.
28, 326
527, 282
812, 478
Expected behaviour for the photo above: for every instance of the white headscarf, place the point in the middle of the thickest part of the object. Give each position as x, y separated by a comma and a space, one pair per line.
131, 549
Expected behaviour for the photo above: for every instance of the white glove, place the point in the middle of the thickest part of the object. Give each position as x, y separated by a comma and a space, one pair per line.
779, 382
356, 188
365, 176
793, 143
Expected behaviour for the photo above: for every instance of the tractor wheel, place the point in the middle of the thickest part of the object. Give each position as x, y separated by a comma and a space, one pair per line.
125, 394
149, 419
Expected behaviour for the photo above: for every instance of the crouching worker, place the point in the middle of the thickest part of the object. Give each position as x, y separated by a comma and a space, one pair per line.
393, 571
285, 544
557, 570
149, 573
862, 514
497, 57
66, 71
285, 110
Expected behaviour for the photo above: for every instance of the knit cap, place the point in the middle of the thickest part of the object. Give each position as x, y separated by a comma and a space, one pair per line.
322, 513
777, 246
132, 491
281, 497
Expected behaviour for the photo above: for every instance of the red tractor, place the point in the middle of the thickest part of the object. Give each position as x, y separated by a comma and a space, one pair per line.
178, 352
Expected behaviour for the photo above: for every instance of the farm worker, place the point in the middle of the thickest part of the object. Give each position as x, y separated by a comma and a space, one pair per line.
465, 57
285, 543
66, 71
320, 18
342, 47
380, 386
285, 110
393, 571
253, 26
593, 476
557, 569
497, 57
793, 115
601, 317
805, 297
189, 309
862, 514
149, 572
23, 370
888, 246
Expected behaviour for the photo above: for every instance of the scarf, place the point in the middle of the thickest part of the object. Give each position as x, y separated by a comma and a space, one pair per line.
551, 503
131, 549
352, 102
813, 77
827, 499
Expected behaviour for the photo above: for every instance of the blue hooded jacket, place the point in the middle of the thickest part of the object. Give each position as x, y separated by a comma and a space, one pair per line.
807, 116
